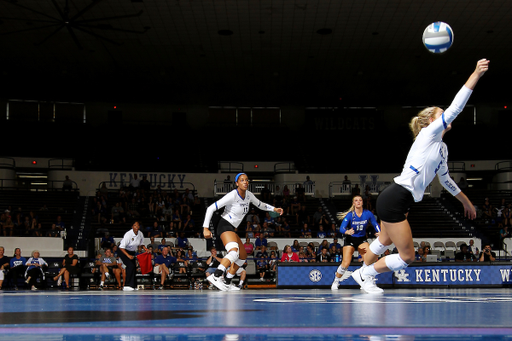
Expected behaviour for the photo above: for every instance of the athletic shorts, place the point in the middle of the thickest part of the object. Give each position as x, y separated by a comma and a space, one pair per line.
354, 241
223, 226
394, 203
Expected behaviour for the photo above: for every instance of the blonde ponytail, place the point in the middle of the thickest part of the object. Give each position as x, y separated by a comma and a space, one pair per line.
422, 120
342, 215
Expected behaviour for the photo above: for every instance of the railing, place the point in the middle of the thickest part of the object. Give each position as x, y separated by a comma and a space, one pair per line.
234, 167
65, 164
503, 165
223, 187
456, 166
51, 185
7, 162
285, 167
338, 188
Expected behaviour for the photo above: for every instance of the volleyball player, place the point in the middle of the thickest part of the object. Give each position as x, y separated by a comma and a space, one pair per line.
236, 205
353, 226
426, 159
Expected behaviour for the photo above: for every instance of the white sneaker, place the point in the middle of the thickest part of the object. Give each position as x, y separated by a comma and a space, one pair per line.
367, 283
59, 281
128, 289
346, 275
34, 288
335, 283
233, 287
217, 281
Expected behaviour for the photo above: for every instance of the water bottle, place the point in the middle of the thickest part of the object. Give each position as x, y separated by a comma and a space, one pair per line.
337, 258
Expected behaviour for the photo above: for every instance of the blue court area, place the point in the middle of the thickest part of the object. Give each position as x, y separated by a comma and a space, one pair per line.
313, 314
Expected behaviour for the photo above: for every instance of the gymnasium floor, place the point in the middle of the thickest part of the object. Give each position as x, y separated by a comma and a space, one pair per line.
415, 314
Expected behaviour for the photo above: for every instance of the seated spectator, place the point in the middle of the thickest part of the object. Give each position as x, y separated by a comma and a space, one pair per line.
213, 262
69, 267
163, 266
4, 266
323, 257
163, 243
305, 232
54, 232
176, 219
117, 214
182, 241
262, 262
167, 211
473, 249
487, 255
426, 251
267, 230
60, 224
302, 216
278, 194
321, 233
325, 244
180, 257
289, 255
302, 257
419, 255
333, 252
464, 255
121, 271
38, 230
272, 262
249, 232
300, 192
16, 266
260, 242
8, 227
107, 242
285, 229
107, 264
265, 194
317, 216
35, 270
269, 220
295, 205
191, 257
487, 210
310, 253
189, 225
504, 233
248, 246
296, 246
335, 243
155, 230
172, 230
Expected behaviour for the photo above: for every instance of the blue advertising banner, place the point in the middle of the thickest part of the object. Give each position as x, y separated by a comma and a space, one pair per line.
430, 274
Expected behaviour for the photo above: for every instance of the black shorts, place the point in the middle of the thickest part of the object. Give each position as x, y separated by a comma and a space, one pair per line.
354, 241
394, 203
223, 226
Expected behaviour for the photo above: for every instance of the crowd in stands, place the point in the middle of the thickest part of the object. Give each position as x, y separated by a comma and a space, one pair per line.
20, 223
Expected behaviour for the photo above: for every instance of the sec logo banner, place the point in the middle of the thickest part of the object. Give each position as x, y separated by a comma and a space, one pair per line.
315, 275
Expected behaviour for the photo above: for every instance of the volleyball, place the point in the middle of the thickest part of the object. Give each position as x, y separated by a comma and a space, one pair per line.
438, 37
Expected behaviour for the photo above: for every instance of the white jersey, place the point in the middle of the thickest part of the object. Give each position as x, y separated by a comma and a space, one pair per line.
236, 207
428, 155
131, 241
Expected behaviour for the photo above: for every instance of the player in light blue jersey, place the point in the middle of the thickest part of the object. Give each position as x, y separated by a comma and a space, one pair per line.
354, 224
427, 158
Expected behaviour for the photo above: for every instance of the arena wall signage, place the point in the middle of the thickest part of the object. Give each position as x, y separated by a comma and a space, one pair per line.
295, 275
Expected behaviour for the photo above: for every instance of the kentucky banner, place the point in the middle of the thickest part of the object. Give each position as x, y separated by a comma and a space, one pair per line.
431, 274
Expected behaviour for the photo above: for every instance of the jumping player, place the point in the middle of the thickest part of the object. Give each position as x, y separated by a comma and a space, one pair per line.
354, 224
427, 158
236, 205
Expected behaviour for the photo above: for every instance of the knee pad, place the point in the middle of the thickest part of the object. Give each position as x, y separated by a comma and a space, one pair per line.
232, 256
240, 262
395, 262
377, 247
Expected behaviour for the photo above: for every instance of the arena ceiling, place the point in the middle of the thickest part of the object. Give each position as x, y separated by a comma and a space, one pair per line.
250, 52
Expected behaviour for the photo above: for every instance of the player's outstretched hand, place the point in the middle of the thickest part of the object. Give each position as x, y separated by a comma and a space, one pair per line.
482, 66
